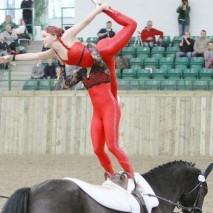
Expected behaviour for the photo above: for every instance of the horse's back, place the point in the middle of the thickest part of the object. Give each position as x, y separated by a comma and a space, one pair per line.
55, 196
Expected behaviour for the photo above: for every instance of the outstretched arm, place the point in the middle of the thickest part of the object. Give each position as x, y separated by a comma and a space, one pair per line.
72, 32
28, 56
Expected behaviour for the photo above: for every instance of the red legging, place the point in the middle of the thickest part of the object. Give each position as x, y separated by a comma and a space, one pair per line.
109, 47
104, 127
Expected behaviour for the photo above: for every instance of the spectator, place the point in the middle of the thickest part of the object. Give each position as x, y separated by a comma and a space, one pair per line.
4, 50
21, 31
8, 20
106, 32
11, 37
148, 35
208, 55
38, 70
200, 45
186, 46
122, 62
183, 17
27, 14
57, 82
50, 70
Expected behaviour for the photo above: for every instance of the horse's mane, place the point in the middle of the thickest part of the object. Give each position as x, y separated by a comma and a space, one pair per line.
169, 164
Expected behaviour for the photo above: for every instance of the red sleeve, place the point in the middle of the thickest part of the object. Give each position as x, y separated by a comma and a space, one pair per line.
158, 32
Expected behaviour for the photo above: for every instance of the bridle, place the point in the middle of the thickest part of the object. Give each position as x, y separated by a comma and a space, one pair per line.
190, 209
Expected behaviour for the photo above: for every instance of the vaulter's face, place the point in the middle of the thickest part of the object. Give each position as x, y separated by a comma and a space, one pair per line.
47, 39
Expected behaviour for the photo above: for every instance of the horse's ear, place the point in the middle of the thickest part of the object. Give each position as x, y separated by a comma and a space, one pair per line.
208, 170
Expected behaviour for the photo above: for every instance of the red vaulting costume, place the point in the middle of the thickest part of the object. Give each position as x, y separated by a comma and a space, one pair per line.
102, 88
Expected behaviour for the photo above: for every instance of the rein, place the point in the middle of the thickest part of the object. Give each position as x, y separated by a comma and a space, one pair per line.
4, 197
178, 205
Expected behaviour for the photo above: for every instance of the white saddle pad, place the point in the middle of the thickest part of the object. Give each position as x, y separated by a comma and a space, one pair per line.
109, 195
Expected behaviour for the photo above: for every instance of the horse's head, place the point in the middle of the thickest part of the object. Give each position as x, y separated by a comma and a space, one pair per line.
195, 192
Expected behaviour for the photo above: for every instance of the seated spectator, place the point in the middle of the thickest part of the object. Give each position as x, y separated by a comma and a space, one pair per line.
200, 45
11, 37
50, 70
71, 70
4, 49
186, 46
122, 62
38, 70
57, 84
208, 56
149, 34
8, 20
21, 30
106, 32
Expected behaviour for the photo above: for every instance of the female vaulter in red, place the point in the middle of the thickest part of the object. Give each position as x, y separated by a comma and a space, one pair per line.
100, 83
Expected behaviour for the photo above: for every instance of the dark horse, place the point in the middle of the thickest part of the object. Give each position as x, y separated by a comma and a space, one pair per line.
176, 183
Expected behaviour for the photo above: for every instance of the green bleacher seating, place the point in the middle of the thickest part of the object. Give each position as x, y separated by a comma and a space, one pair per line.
152, 84
128, 51
136, 61
200, 85
168, 85
81, 39
92, 40
144, 74
180, 85
134, 85
205, 73
176, 40
194, 37
44, 84
142, 50
159, 73
169, 61
142, 84
167, 40
129, 73
190, 73
123, 84
175, 73
181, 61
158, 50
211, 85
188, 84
197, 61
31, 85
151, 62
171, 51
118, 73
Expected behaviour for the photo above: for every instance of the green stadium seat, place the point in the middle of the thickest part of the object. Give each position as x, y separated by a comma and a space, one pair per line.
211, 85
180, 84
142, 50
129, 73
167, 40
137, 61
198, 67
142, 84
176, 40
158, 50
205, 73
200, 85
152, 84
181, 61
188, 84
190, 73
168, 61
134, 85
144, 74
142, 56
31, 85
80, 39
123, 84
45, 85
168, 85
171, 51
151, 62
132, 41
194, 37
159, 73
176, 73
92, 40
197, 61
128, 51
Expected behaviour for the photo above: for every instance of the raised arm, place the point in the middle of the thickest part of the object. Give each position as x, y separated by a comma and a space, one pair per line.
29, 56
72, 32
